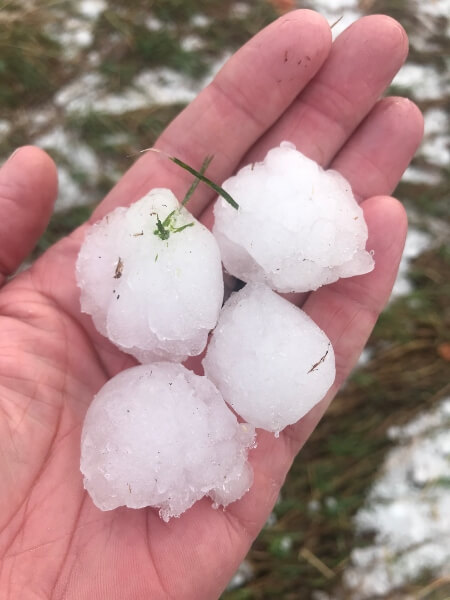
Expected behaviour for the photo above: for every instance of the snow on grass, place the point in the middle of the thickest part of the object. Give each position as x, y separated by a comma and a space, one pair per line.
424, 81
154, 24
347, 11
80, 93
82, 160
80, 155
192, 42
77, 32
365, 357
153, 86
243, 575
420, 175
73, 34
200, 20
435, 149
436, 8
416, 242
240, 10
69, 192
5, 128
407, 511
92, 9
436, 144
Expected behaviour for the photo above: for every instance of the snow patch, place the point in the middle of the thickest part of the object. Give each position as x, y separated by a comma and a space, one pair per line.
407, 511
420, 175
92, 9
5, 128
243, 575
200, 20
348, 12
416, 242
422, 81
240, 10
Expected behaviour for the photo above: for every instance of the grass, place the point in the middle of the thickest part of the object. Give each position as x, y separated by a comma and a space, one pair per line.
29, 65
309, 546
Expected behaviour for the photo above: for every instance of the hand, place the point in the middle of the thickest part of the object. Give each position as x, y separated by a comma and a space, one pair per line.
287, 83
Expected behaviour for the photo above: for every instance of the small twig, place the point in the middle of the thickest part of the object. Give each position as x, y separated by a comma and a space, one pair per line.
315, 365
316, 563
119, 269
336, 22
432, 587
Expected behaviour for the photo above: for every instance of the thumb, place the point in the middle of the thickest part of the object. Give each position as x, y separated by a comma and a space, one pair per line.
28, 187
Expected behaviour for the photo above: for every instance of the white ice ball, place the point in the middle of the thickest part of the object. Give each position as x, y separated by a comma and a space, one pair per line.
269, 360
151, 297
298, 227
158, 435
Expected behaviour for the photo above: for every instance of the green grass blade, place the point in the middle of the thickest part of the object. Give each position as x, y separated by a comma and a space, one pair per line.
178, 229
196, 181
225, 195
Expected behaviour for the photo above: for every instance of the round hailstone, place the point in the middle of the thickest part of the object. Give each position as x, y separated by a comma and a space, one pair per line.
153, 298
298, 227
159, 435
269, 360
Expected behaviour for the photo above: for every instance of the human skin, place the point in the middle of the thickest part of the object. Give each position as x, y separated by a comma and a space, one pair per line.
287, 83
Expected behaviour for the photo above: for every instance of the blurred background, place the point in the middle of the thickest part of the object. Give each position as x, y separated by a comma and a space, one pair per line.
365, 511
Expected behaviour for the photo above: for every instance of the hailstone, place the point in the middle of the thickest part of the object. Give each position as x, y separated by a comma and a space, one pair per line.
297, 228
268, 358
159, 435
154, 298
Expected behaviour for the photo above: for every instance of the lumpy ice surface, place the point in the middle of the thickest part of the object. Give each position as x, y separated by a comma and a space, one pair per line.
153, 298
298, 227
159, 435
268, 358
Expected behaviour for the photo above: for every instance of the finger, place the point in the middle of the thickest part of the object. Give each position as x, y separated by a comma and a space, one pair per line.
361, 64
247, 96
348, 309
377, 154
28, 187
319, 127
347, 312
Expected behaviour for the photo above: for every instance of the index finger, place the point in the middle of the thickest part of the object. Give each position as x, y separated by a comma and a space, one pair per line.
247, 96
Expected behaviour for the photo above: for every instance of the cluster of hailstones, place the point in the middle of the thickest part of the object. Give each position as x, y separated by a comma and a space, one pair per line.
151, 278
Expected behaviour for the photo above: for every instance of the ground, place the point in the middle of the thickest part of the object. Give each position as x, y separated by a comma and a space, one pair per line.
93, 82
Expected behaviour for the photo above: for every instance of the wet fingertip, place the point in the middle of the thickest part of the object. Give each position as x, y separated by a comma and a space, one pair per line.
381, 210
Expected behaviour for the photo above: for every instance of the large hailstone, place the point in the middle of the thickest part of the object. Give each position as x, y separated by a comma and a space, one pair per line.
153, 298
298, 227
269, 360
158, 435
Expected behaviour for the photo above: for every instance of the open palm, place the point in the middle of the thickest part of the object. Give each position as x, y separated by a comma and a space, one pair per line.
287, 83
